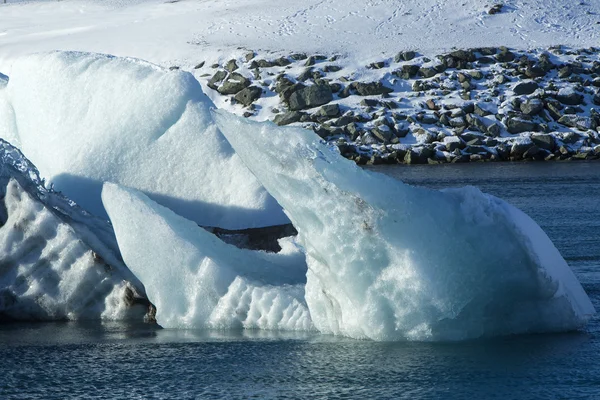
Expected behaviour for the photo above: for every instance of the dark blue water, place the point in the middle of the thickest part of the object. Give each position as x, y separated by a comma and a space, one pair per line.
69, 360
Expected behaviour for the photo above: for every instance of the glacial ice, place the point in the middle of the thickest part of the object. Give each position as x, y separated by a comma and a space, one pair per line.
390, 261
84, 119
196, 280
58, 262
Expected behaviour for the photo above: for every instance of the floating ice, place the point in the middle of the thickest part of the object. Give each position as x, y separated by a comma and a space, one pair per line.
388, 261
86, 118
56, 261
198, 281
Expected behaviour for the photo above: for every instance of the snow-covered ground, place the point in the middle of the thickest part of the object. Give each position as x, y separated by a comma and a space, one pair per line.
188, 31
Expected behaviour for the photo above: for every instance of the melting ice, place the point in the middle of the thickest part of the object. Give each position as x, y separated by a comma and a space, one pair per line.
388, 261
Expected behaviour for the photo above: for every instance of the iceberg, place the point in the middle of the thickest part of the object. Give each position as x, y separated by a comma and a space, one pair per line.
389, 261
58, 262
196, 280
84, 119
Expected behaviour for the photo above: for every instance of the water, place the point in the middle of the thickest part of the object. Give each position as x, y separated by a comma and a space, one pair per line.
117, 360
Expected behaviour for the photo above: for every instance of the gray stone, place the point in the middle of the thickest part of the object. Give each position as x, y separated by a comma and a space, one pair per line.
233, 84
523, 88
407, 71
405, 56
532, 106
476, 123
310, 96
494, 130
519, 125
371, 88
248, 95
288, 118
575, 121
199, 65
216, 78
329, 110
519, 148
429, 119
569, 96
231, 65
543, 141
369, 102
481, 110
427, 72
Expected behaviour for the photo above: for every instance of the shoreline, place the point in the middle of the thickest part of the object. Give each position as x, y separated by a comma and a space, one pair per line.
471, 105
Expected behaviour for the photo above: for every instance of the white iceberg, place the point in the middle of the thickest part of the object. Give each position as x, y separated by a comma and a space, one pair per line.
57, 262
84, 119
390, 261
196, 280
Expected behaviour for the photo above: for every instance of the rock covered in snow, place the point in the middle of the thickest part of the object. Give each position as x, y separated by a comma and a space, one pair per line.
198, 281
87, 118
57, 262
372, 272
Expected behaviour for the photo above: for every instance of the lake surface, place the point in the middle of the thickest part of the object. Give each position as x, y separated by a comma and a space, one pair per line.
117, 360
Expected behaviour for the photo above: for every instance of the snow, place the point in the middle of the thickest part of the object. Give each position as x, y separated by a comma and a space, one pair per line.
57, 262
198, 281
389, 261
86, 118
185, 32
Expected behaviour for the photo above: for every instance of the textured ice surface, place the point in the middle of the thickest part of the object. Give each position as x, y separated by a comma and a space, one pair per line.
56, 261
198, 281
388, 260
86, 118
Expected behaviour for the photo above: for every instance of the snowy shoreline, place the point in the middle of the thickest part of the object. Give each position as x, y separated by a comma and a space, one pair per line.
485, 104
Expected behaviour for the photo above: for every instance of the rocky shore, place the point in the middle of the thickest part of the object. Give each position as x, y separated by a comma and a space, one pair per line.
485, 104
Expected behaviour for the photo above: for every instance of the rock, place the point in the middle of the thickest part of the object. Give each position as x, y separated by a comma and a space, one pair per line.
532, 152
231, 66
282, 61
505, 55
519, 148
427, 72
569, 96
532, 106
371, 88
376, 65
476, 123
494, 130
306, 74
332, 68
463, 55
369, 102
310, 96
575, 121
495, 9
216, 78
298, 56
329, 110
404, 56
233, 84
383, 133
453, 142
482, 109
407, 71
261, 64
248, 95
519, 125
429, 119
288, 118
249, 56
199, 65
457, 122
535, 72
523, 88
564, 72
543, 141
475, 149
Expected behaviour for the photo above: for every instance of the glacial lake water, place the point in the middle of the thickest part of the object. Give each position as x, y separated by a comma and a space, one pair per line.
117, 360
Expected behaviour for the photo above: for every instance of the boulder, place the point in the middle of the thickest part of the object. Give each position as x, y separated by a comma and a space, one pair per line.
371, 88
310, 96
248, 95
233, 84
519, 125
288, 117
523, 88
532, 106
569, 96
